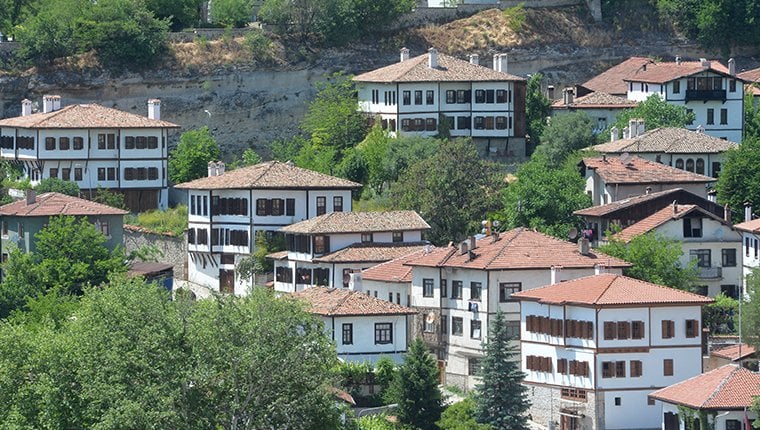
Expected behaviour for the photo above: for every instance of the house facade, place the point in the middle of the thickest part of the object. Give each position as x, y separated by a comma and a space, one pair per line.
413, 97
750, 231
464, 286
364, 328
94, 146
22, 219
227, 209
602, 108
594, 348
326, 250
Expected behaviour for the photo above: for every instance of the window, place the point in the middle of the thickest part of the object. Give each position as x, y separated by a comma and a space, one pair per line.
702, 257
383, 333
444, 289
106, 141
668, 329
102, 226
728, 257
152, 173
463, 123
338, 204
406, 97
676, 87
501, 123
623, 329
690, 165
66, 174
457, 326
53, 172
476, 288
710, 116
730, 291
700, 166
473, 366
406, 124
321, 244
692, 328
475, 329
620, 369
733, 425
375, 96
278, 206
290, 207
419, 124
480, 96
513, 329
20, 230
366, 237
635, 368
692, 227
321, 277
77, 173
724, 116
418, 97
610, 330
562, 366
456, 289
321, 205
451, 96
618, 401
637, 330
506, 289
427, 287
50, 143
129, 142
111, 176
667, 367
398, 236
732, 85
152, 142
431, 124
480, 123
430, 97
101, 173
650, 401
63, 143
463, 96
608, 369
262, 206
489, 96
573, 394
679, 164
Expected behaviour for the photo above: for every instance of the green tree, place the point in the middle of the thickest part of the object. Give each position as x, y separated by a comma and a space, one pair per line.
55, 185
655, 259
566, 134
739, 180
751, 311
544, 197
49, 33
375, 151
189, 160
249, 158
231, 13
720, 315
656, 113
751, 117
415, 389
501, 398
461, 416
453, 190
110, 198
181, 13
537, 108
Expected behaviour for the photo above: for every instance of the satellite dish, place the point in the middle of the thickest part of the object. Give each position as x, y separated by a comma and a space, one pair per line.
430, 318
573, 233
625, 157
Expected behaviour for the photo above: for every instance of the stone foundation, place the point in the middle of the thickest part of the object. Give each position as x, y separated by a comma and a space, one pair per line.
547, 407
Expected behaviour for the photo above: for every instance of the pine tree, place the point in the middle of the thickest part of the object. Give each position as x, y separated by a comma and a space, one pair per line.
501, 398
415, 389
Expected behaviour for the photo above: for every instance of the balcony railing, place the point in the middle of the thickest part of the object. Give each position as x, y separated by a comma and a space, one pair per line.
706, 95
710, 272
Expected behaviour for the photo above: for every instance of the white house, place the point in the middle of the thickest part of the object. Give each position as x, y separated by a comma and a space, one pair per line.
750, 231
364, 328
683, 149
609, 179
412, 96
325, 250
723, 395
227, 209
465, 285
602, 108
708, 241
94, 146
594, 348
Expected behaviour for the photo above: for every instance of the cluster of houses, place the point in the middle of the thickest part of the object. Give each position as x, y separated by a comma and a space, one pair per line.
600, 350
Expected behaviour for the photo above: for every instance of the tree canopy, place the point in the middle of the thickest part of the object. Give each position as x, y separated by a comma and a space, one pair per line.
415, 388
55, 185
751, 310
537, 108
739, 179
564, 135
656, 113
189, 160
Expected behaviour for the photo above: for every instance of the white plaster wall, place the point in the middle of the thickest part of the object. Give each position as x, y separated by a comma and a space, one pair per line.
554, 378
158, 152
71, 153
633, 412
199, 247
384, 288
287, 287
364, 337
206, 276
418, 274
679, 315
619, 315
421, 108
147, 183
687, 362
619, 191
364, 90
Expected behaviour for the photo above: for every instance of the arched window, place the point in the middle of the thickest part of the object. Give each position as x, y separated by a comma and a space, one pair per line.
679, 164
700, 166
690, 165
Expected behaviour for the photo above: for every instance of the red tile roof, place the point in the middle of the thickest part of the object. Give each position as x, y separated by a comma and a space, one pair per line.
640, 171
85, 116
449, 69
596, 100
51, 204
668, 140
728, 387
519, 248
751, 75
661, 72
612, 81
270, 175
370, 252
659, 218
359, 222
610, 289
734, 352
752, 226
342, 302
602, 210
395, 270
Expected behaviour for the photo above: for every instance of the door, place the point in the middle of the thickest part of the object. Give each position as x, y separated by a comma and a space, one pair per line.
671, 421
567, 422
227, 281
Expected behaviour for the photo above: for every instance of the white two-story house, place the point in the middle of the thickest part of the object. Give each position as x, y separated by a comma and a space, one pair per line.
750, 231
94, 146
594, 348
227, 209
710, 243
326, 250
364, 328
463, 286
413, 96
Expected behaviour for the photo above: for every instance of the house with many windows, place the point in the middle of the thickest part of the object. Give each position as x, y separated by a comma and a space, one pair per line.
594, 348
463, 286
94, 146
419, 95
326, 250
750, 231
364, 328
228, 208
602, 108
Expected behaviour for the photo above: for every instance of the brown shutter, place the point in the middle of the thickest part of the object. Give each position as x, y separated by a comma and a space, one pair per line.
667, 367
665, 329
568, 329
609, 330
623, 329
589, 330
573, 367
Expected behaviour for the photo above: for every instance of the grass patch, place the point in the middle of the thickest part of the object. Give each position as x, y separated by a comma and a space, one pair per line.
172, 221
515, 17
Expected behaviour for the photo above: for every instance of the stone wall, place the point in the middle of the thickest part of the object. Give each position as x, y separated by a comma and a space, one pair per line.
546, 404
174, 249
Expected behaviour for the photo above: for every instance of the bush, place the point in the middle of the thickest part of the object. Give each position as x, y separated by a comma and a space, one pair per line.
172, 221
55, 185
259, 45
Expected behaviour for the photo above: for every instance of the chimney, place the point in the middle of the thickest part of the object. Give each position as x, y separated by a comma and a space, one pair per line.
503, 63
705, 64
583, 246
711, 195
614, 134
641, 127
212, 170
494, 236
404, 54
726, 213
599, 269
220, 168
463, 248
473, 242
731, 67
31, 197
550, 92
633, 127
26, 107
747, 211
154, 109
567, 96
496, 62
556, 275
675, 207
474, 59
648, 190
50, 103
700, 128
433, 58
355, 281
678, 60
626, 133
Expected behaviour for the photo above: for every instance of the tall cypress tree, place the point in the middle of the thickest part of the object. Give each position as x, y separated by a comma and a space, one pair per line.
415, 388
501, 398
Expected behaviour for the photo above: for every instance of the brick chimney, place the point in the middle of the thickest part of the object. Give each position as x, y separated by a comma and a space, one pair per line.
31, 197
26, 107
404, 54
433, 58
154, 109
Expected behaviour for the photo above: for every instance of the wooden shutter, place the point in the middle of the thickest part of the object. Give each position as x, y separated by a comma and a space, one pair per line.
667, 367
573, 367
623, 329
589, 330
569, 328
666, 329
637, 330
691, 328
609, 330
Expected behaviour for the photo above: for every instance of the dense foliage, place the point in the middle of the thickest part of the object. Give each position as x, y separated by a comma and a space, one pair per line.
751, 311
739, 180
172, 221
565, 134
656, 113
537, 108
461, 416
189, 160
55, 185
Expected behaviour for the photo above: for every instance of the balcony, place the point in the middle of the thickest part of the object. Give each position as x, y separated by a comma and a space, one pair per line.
705, 95
709, 272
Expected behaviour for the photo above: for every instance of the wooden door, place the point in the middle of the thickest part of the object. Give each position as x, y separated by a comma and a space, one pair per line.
227, 281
